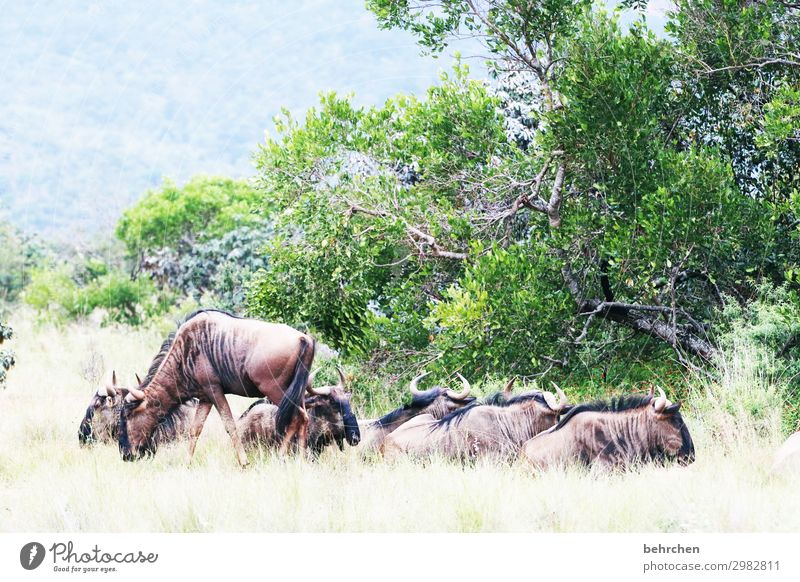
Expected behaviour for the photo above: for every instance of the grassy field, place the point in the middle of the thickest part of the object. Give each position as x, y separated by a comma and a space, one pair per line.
49, 483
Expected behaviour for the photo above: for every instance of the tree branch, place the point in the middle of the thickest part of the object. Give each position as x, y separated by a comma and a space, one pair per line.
415, 235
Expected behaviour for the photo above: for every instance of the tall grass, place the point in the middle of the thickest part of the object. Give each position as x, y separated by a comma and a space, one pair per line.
49, 483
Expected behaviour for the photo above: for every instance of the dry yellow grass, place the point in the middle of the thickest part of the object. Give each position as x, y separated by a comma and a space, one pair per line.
49, 483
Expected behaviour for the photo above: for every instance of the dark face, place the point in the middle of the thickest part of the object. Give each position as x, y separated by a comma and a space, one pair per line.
333, 418
135, 440
673, 435
99, 424
351, 430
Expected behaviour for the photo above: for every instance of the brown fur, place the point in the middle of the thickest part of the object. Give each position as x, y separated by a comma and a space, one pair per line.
477, 431
101, 422
613, 436
437, 402
214, 354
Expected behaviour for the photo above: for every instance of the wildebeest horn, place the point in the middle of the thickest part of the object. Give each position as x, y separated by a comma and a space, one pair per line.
415, 382
510, 386
323, 391
661, 402
138, 380
551, 399
342, 379
104, 391
134, 394
113, 377
464, 393
312, 376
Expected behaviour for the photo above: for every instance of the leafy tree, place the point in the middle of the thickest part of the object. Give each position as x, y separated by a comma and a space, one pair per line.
220, 266
19, 253
203, 209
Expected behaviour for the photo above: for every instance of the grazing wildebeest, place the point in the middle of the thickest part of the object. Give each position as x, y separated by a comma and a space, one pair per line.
437, 401
787, 457
214, 353
330, 419
479, 430
100, 424
615, 433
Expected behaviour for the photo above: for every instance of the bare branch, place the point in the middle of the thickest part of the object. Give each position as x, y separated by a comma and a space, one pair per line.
415, 235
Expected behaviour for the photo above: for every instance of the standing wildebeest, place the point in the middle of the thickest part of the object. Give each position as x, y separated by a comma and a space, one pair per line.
437, 401
616, 433
787, 457
478, 430
330, 419
100, 424
212, 354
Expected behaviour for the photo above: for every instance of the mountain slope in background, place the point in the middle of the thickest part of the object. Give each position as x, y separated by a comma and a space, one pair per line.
101, 100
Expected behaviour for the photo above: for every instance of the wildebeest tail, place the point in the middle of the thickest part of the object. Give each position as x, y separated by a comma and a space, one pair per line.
293, 397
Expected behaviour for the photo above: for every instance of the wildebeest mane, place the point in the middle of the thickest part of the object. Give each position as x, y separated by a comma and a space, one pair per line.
165, 347
457, 415
159, 357
253, 405
618, 404
422, 400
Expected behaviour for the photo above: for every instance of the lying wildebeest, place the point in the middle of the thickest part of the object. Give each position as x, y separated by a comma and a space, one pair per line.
214, 353
478, 430
437, 401
616, 433
330, 419
100, 424
787, 457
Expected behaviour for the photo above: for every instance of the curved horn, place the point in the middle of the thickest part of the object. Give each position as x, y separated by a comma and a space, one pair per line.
510, 386
138, 380
134, 394
661, 402
342, 379
464, 393
312, 376
415, 382
550, 398
113, 377
321, 391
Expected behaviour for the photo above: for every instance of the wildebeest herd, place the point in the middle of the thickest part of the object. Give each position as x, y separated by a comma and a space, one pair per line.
213, 353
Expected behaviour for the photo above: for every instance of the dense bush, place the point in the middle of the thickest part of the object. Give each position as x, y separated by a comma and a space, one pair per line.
215, 271
60, 295
19, 253
204, 209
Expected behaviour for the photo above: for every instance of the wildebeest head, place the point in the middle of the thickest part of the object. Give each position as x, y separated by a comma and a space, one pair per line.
139, 420
669, 430
332, 414
439, 401
99, 424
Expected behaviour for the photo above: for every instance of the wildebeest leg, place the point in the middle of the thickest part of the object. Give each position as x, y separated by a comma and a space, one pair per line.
299, 428
196, 427
221, 404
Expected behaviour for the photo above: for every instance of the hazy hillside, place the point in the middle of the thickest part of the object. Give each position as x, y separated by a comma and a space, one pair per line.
101, 100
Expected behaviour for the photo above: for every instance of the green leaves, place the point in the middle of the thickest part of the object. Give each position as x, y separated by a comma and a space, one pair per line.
203, 209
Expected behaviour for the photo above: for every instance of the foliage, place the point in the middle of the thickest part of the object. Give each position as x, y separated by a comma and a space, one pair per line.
350, 184
19, 253
765, 335
467, 263
57, 296
204, 208
220, 267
